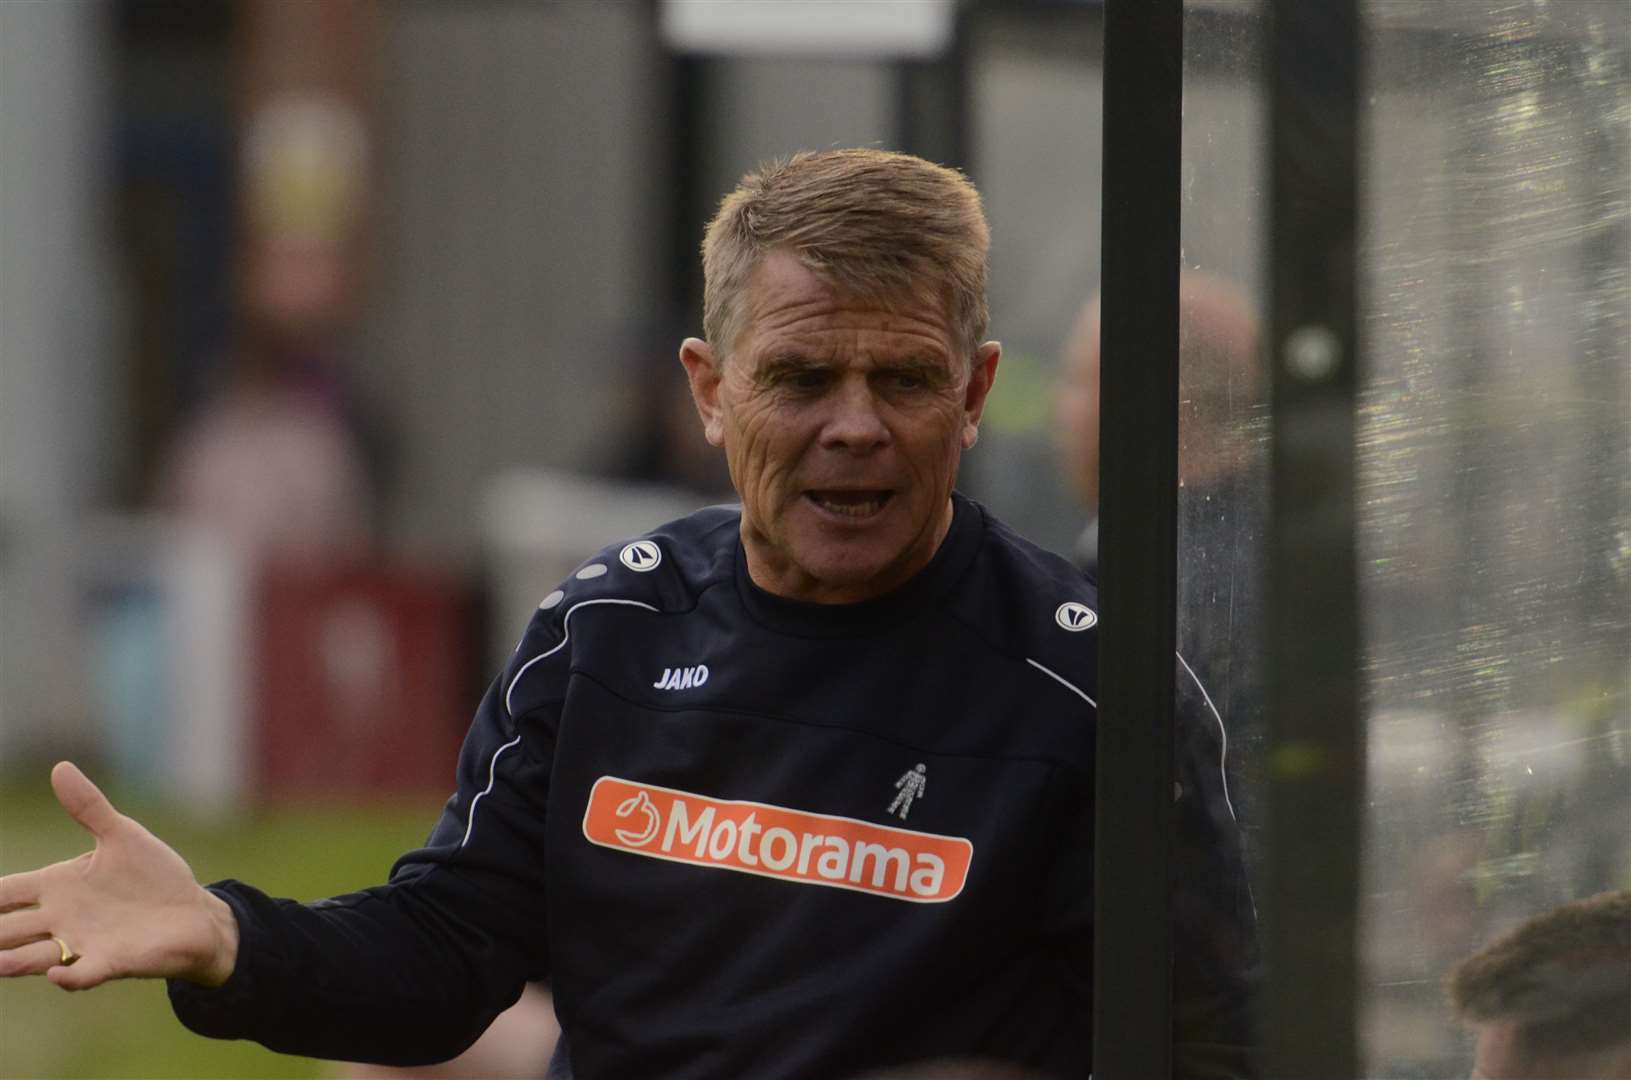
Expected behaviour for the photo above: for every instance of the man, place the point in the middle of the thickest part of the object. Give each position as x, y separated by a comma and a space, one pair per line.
1551, 1000
678, 800
1223, 488
1221, 391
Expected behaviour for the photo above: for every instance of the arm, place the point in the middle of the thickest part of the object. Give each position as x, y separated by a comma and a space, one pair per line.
412, 971
408, 972
130, 908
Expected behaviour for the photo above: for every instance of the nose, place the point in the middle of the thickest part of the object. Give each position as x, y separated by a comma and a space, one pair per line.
855, 423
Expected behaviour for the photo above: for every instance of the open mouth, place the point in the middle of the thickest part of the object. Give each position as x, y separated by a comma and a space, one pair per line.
855, 505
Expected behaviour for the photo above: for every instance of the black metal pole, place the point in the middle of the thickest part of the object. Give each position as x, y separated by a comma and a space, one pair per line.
1315, 760
1132, 965
688, 209
932, 102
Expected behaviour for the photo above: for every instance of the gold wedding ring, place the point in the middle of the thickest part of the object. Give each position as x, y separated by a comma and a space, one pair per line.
68, 955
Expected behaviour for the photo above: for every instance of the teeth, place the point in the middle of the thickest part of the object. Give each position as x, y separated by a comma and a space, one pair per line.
851, 509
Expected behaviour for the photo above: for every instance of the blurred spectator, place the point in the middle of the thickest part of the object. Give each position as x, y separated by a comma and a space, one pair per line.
1219, 524
274, 459
1552, 999
1219, 380
273, 463
1221, 506
664, 445
1076, 426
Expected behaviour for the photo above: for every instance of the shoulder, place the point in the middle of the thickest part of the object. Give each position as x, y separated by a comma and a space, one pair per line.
664, 567
661, 571
1032, 605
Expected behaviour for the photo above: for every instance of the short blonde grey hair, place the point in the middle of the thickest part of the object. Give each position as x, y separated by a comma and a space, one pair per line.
885, 226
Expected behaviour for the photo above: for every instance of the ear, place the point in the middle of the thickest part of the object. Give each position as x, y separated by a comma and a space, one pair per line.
980, 378
703, 373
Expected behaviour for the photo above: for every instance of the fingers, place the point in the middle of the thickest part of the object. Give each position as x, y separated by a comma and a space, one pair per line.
84, 973
35, 958
82, 799
22, 927
44, 957
18, 890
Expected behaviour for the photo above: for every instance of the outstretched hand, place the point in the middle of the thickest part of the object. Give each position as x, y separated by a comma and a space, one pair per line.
129, 908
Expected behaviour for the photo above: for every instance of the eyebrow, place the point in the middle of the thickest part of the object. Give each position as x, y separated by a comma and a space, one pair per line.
914, 361
784, 365
932, 369
927, 365
791, 361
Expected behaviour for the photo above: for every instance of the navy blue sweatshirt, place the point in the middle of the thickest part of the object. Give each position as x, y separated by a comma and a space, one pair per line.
744, 836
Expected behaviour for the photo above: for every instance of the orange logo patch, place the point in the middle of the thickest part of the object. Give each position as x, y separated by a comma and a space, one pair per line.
774, 841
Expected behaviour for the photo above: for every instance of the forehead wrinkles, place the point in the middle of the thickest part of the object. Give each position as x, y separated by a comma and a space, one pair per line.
830, 328
788, 300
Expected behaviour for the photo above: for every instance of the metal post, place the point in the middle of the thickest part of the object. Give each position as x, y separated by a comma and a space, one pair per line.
932, 101
1315, 761
1132, 968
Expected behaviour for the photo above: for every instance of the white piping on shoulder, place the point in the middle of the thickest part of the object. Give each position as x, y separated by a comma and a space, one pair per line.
1066, 683
1223, 733
492, 774
566, 635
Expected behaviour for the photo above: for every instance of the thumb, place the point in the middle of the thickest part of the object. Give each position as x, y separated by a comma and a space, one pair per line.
82, 799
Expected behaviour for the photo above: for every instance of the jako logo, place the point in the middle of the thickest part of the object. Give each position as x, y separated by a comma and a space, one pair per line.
1074, 616
774, 841
641, 555
682, 678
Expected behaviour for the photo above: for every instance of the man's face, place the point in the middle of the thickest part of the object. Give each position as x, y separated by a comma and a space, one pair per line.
843, 424
1500, 1056
1495, 1057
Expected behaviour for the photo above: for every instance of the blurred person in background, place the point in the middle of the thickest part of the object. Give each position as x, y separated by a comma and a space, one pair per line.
664, 445
858, 692
1551, 999
1218, 343
1222, 496
274, 458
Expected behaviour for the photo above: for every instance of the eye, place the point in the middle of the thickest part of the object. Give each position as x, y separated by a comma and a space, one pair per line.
808, 379
906, 380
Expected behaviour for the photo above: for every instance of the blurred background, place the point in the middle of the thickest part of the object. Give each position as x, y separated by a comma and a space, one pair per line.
333, 333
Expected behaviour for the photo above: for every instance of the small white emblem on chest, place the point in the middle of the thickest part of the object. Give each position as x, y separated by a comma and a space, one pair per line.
682, 678
911, 785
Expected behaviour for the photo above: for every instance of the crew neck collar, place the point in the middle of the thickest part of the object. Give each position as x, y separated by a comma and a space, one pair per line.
802, 617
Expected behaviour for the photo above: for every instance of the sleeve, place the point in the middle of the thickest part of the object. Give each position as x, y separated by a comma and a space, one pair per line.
413, 971
1214, 943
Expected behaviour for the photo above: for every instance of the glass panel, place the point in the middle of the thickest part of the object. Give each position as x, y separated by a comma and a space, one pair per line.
1223, 393
1041, 180
1495, 501
1223, 386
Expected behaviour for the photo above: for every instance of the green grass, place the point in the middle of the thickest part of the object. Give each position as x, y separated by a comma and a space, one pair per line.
126, 1030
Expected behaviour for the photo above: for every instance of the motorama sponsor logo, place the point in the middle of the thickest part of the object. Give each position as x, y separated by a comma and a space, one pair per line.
776, 841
